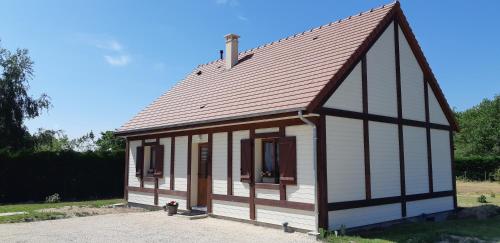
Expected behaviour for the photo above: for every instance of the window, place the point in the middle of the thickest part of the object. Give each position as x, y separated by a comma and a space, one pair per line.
270, 161
150, 160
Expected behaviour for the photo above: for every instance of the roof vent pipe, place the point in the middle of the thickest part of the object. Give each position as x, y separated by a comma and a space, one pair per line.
221, 54
231, 50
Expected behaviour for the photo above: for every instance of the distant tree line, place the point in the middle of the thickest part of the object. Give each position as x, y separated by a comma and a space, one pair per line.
33, 166
477, 144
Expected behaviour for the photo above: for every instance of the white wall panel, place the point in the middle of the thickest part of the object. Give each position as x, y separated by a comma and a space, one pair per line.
436, 114
269, 129
164, 182
141, 198
180, 163
381, 73
416, 163
429, 206
295, 218
348, 96
267, 194
412, 82
132, 179
304, 190
441, 160
231, 209
345, 159
239, 188
219, 163
384, 160
363, 216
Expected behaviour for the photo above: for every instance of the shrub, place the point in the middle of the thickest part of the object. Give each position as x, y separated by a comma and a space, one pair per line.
478, 168
482, 199
54, 198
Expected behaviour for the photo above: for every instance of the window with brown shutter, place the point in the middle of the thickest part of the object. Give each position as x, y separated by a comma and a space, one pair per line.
246, 159
287, 160
139, 161
158, 151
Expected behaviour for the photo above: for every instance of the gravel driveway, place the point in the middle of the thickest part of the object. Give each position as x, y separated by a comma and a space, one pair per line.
143, 227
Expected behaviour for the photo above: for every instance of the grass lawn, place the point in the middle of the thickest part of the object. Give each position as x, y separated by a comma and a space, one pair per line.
468, 192
33, 215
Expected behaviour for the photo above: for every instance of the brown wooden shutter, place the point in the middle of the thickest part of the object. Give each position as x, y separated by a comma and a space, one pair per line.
159, 160
246, 160
288, 160
139, 161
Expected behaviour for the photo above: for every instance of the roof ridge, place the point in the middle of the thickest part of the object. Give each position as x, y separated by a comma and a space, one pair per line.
396, 2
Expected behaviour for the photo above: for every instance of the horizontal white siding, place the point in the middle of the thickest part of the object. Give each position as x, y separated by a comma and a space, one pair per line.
429, 206
132, 179
384, 160
412, 82
381, 75
239, 188
164, 182
180, 163
304, 190
349, 93
149, 184
416, 164
199, 138
295, 218
219, 163
363, 216
141, 198
231, 209
436, 114
267, 194
345, 159
269, 129
164, 199
441, 160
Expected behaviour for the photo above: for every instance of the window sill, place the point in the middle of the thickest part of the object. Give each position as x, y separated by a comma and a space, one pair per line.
269, 186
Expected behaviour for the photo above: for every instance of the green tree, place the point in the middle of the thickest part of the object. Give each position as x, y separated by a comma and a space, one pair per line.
109, 142
51, 140
479, 129
15, 103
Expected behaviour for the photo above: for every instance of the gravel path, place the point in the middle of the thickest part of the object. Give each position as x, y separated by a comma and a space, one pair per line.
143, 227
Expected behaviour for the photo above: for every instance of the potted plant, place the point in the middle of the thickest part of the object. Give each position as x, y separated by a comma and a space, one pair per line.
172, 207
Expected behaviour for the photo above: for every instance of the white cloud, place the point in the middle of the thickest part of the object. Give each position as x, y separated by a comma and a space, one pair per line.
231, 3
242, 18
111, 45
120, 60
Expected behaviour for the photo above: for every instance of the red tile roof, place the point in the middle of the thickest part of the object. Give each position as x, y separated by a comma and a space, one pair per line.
282, 76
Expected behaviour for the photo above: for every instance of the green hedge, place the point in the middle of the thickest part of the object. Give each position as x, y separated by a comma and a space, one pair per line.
477, 168
29, 176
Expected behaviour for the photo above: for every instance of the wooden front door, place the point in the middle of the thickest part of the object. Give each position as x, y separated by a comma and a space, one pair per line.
202, 173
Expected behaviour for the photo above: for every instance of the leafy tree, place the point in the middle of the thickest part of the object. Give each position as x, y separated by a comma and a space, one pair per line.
50, 140
15, 104
84, 143
479, 129
109, 142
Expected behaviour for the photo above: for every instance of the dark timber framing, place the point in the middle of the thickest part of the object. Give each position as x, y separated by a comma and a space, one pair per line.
321, 174
453, 180
127, 161
209, 176
229, 163
172, 163
366, 132
428, 135
400, 125
282, 187
252, 178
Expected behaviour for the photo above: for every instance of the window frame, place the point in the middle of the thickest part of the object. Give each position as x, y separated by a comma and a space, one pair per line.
275, 164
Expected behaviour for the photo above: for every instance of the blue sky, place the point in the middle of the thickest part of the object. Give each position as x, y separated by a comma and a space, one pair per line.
103, 61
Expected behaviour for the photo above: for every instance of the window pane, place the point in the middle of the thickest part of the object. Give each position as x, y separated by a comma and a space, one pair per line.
268, 159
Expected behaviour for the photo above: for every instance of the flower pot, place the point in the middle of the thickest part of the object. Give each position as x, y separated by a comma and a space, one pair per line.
172, 210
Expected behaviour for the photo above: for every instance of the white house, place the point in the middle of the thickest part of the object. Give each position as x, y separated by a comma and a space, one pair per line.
343, 124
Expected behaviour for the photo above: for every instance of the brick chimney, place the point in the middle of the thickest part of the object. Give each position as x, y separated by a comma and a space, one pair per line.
231, 50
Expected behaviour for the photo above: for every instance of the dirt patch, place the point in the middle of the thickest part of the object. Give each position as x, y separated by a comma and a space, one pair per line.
82, 211
478, 187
